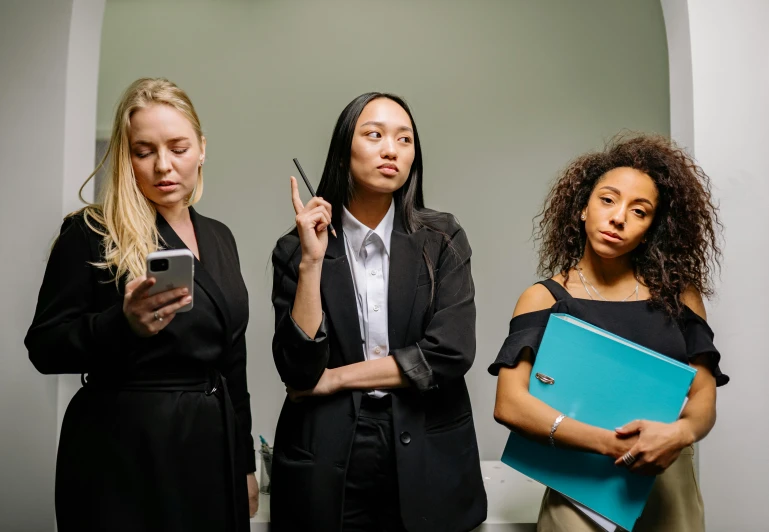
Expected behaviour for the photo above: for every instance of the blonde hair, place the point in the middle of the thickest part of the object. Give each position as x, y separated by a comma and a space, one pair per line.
125, 218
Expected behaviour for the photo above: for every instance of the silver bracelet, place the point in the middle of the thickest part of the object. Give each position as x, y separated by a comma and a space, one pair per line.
554, 427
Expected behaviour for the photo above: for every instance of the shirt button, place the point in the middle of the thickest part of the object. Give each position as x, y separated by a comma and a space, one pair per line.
405, 438
373, 273
377, 350
376, 308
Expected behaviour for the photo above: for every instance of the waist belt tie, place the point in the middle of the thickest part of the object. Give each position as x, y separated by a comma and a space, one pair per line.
211, 383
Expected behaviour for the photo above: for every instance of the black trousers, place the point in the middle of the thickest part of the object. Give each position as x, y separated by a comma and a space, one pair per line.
371, 488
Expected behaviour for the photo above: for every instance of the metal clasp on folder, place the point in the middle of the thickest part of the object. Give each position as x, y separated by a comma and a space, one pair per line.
544, 378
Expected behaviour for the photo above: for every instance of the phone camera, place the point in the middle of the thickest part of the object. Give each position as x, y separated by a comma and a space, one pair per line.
159, 265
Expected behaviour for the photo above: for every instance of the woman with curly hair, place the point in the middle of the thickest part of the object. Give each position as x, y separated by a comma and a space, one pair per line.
628, 243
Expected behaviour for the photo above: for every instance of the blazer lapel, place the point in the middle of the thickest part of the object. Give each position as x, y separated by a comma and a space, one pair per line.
207, 246
405, 262
339, 295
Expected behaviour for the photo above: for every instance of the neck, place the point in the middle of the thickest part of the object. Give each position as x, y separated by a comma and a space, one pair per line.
370, 209
174, 214
605, 272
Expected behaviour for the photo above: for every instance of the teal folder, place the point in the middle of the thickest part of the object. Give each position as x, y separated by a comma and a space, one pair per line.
601, 379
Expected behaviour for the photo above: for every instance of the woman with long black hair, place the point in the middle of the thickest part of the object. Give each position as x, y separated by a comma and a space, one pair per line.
374, 332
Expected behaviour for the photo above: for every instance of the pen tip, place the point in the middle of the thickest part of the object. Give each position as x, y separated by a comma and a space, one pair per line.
333, 232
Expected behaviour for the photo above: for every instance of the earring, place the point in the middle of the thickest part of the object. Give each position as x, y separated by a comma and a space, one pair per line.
583, 217
202, 160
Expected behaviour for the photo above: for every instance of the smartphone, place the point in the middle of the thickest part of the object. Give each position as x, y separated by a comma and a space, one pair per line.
173, 268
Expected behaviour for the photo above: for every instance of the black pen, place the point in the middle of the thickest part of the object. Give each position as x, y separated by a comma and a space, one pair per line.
312, 190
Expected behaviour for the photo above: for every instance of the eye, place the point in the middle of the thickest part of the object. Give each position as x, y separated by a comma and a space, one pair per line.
606, 201
144, 154
405, 140
374, 135
179, 151
640, 213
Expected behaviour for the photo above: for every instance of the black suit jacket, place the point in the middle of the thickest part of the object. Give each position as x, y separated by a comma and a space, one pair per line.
79, 325
121, 446
431, 336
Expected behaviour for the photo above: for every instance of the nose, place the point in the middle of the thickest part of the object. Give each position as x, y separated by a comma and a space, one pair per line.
162, 162
619, 216
388, 148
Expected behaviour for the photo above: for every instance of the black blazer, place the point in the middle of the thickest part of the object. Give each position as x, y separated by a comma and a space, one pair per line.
79, 327
433, 342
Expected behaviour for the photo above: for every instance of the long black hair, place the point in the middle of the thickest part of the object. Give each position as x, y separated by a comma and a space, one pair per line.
338, 187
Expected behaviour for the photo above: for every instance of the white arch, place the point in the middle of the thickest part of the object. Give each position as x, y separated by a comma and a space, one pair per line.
719, 82
79, 130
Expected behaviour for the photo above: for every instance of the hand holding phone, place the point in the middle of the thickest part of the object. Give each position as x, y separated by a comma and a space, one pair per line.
152, 301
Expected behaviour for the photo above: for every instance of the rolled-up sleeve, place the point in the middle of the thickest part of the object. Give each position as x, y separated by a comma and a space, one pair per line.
447, 348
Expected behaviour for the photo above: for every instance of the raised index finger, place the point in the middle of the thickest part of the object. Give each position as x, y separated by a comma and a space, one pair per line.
295, 199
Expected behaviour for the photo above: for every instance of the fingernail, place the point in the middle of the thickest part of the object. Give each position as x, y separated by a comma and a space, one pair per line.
187, 299
185, 291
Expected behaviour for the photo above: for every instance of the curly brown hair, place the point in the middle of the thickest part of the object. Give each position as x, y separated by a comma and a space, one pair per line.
681, 248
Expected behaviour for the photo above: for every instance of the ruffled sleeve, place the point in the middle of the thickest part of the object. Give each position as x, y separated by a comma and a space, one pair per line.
526, 330
699, 341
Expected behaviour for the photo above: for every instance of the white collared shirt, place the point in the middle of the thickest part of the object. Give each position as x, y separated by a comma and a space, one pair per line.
368, 251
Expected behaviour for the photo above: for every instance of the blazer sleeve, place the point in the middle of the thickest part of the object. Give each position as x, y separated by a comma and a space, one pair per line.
299, 359
68, 333
237, 384
447, 349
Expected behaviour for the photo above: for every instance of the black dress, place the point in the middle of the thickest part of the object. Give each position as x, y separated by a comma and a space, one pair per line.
675, 502
158, 438
682, 339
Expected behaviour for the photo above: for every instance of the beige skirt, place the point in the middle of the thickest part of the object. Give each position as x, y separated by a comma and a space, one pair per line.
675, 505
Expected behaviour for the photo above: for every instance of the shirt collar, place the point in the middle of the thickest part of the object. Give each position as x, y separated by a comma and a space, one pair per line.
357, 233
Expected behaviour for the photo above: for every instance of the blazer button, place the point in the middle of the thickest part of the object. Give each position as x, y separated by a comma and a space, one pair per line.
405, 438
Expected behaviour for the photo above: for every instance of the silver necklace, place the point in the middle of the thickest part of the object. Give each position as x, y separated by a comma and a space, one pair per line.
585, 283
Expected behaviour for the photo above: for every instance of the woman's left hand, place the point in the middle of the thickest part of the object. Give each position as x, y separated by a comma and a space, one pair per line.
253, 494
327, 385
658, 445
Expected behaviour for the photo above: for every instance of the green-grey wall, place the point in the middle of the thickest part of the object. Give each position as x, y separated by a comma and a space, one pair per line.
504, 93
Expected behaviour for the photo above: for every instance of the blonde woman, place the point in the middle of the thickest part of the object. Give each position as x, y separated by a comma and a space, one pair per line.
158, 437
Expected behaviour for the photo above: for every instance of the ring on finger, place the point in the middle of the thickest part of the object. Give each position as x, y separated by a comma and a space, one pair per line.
628, 458
157, 316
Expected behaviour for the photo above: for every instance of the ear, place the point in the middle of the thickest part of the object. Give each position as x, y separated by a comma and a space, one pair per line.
202, 150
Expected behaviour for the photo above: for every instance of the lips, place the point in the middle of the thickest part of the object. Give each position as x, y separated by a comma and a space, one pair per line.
613, 237
166, 186
388, 169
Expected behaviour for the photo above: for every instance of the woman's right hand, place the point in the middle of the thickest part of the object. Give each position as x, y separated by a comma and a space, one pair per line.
148, 315
616, 445
312, 221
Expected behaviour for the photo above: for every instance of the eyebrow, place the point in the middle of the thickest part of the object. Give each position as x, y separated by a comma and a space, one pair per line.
148, 143
618, 193
382, 125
